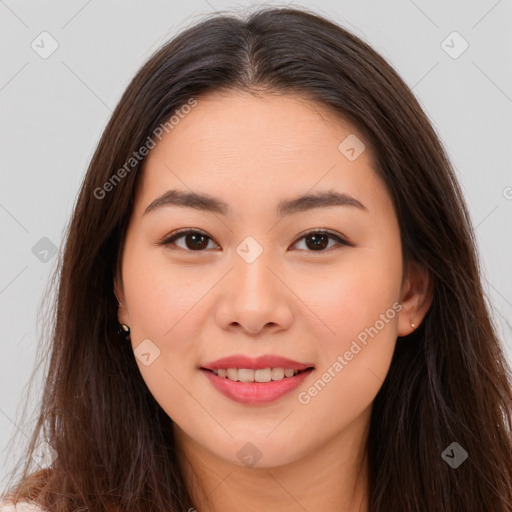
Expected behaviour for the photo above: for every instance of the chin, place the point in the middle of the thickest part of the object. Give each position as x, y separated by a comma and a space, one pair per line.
254, 452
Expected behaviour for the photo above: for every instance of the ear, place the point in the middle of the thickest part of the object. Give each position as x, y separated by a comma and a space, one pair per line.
122, 311
416, 298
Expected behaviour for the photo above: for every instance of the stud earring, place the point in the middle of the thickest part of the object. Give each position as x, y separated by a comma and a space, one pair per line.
413, 326
123, 330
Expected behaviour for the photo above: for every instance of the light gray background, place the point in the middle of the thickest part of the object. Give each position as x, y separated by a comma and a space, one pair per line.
53, 111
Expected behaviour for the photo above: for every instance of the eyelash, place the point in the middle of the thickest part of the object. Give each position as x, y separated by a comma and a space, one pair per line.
183, 232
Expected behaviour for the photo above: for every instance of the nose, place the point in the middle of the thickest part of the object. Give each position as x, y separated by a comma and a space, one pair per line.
254, 297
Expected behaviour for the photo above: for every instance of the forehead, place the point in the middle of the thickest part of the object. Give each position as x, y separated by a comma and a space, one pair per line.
246, 124
239, 146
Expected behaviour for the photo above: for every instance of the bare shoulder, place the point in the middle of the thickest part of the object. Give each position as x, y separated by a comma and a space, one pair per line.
20, 507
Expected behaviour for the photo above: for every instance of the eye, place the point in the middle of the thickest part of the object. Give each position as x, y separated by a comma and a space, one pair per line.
319, 240
196, 240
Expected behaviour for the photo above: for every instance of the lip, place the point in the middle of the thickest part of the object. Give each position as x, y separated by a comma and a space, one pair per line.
255, 393
256, 363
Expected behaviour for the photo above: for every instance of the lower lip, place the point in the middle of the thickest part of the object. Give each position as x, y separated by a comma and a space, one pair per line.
255, 393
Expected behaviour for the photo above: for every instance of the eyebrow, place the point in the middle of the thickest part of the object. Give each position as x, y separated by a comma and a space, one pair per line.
208, 203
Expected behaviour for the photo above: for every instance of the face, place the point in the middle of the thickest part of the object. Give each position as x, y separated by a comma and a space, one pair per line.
318, 283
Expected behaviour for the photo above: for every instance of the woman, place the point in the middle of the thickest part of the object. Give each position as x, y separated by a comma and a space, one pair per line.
269, 295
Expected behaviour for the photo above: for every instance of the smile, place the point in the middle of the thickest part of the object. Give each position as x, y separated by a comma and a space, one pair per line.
256, 387
260, 375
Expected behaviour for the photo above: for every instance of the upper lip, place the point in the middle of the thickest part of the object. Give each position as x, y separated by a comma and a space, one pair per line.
256, 363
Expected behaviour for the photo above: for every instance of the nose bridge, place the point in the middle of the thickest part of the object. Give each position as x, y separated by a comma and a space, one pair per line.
252, 274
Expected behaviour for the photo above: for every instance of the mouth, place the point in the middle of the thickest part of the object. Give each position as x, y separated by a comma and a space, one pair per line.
253, 387
261, 375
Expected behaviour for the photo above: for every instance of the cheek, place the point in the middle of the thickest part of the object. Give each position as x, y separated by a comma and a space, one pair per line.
352, 296
163, 300
353, 363
162, 295
359, 304
164, 314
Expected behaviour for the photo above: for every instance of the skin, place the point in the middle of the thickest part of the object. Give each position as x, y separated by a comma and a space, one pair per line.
293, 300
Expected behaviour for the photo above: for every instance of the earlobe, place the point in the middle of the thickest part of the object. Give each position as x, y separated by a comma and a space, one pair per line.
417, 296
122, 313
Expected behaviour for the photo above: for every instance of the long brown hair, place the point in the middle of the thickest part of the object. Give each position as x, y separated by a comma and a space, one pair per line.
449, 382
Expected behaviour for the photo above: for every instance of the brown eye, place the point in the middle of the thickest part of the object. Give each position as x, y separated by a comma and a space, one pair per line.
317, 241
194, 240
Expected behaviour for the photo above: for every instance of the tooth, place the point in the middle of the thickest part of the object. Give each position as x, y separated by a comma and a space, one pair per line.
263, 375
245, 375
251, 375
277, 373
233, 374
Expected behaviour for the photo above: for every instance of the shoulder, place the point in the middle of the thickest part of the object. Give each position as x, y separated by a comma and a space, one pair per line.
20, 507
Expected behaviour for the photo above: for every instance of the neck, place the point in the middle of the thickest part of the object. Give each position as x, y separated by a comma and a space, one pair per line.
332, 477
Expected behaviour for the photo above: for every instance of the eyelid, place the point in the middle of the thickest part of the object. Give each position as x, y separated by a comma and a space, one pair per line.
341, 239
184, 231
